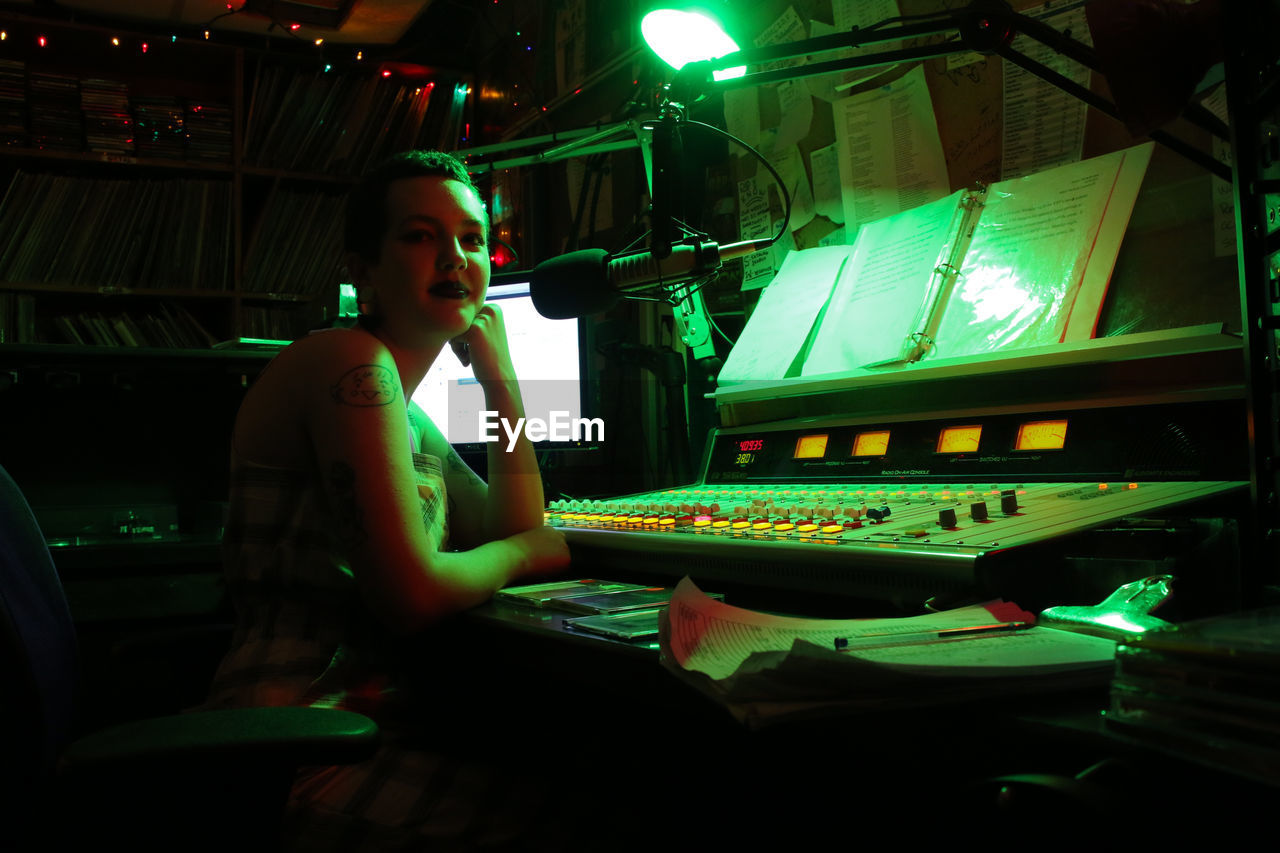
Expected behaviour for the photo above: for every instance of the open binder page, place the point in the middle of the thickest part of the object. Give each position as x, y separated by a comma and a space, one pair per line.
1023, 276
1082, 314
887, 288
787, 310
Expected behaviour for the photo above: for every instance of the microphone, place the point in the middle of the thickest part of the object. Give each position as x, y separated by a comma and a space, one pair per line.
591, 280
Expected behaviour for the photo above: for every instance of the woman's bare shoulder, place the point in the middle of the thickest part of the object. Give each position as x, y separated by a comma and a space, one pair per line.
333, 347
272, 420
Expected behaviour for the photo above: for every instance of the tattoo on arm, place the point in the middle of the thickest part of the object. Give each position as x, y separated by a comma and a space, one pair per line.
366, 385
348, 517
458, 466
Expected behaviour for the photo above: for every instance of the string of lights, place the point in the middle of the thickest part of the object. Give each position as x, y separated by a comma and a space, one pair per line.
143, 38
40, 30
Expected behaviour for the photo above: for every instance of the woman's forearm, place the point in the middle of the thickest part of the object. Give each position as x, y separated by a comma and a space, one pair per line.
515, 500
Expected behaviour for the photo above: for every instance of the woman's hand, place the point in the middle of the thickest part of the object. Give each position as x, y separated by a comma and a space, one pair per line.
544, 549
484, 347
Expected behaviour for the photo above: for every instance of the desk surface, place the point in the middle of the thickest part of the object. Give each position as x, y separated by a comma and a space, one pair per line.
612, 712
539, 640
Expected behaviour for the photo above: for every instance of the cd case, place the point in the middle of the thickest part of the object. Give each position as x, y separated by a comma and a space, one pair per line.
630, 625
620, 602
542, 594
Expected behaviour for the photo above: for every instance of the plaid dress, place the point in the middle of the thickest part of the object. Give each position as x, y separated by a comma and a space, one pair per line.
304, 637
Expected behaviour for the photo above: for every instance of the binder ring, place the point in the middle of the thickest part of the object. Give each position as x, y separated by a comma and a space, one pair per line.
948, 269
920, 339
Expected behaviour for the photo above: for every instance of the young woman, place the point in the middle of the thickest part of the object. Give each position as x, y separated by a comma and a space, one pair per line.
353, 525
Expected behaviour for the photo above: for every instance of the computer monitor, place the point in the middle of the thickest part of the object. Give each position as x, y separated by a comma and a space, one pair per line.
549, 359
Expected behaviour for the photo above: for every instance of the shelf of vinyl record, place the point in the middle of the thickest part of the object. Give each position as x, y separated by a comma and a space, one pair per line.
161, 203
70, 239
163, 319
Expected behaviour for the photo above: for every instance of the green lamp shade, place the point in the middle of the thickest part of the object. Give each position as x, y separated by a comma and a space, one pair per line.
681, 37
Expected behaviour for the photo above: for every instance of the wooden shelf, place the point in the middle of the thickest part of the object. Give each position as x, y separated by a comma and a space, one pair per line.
73, 352
140, 292
113, 159
309, 177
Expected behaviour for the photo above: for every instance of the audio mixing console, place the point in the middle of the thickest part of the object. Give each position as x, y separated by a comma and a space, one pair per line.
928, 505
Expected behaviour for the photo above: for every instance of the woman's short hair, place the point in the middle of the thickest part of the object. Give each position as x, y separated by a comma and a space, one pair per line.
366, 217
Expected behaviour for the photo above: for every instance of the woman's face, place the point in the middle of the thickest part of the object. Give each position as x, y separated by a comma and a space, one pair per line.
433, 272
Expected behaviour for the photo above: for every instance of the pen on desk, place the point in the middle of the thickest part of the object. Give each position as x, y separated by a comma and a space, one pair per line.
890, 638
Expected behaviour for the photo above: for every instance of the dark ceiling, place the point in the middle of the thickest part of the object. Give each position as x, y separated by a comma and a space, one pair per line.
465, 35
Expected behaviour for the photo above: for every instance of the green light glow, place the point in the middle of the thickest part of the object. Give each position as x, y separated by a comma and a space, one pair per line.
682, 37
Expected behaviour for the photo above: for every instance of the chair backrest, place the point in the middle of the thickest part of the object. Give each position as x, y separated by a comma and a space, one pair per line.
39, 661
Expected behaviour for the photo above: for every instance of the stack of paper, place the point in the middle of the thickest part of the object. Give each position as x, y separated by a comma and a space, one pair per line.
765, 668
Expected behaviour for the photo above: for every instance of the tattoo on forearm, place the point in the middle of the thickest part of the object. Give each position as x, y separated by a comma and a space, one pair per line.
457, 465
348, 517
366, 385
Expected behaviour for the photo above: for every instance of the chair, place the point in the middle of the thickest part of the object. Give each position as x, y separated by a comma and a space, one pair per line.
202, 780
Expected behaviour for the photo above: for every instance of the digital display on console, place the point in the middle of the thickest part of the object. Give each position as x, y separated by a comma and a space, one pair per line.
1042, 435
746, 450
871, 443
959, 439
810, 447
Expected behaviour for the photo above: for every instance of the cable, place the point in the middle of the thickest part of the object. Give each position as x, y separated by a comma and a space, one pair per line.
712, 320
782, 187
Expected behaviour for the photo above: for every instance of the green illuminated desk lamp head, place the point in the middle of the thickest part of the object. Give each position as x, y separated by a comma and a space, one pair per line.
685, 37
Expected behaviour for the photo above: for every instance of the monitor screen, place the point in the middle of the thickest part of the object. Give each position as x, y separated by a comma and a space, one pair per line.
548, 359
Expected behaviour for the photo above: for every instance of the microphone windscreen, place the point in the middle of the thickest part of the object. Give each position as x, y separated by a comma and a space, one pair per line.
572, 285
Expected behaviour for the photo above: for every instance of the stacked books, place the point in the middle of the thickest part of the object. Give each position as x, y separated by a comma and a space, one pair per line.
55, 112
1207, 690
208, 131
161, 126
13, 103
108, 125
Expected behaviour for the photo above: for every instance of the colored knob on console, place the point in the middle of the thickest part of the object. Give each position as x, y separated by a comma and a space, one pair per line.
978, 511
947, 517
1008, 502
878, 513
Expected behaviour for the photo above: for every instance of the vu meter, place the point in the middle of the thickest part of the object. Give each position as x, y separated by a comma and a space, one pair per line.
959, 439
811, 447
1042, 435
871, 443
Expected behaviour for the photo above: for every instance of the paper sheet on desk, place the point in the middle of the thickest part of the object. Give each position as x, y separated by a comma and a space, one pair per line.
764, 667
